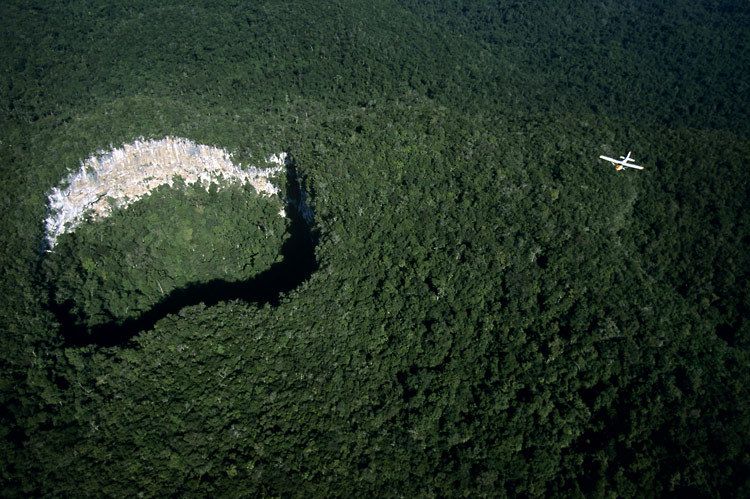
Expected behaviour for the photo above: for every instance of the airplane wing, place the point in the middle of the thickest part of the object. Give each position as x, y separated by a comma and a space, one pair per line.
621, 163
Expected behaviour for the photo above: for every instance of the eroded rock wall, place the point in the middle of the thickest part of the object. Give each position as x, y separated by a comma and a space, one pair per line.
122, 176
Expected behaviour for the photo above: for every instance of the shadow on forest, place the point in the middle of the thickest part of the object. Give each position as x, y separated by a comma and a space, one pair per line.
297, 265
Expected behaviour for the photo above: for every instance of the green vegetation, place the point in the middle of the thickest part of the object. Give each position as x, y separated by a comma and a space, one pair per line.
120, 267
494, 311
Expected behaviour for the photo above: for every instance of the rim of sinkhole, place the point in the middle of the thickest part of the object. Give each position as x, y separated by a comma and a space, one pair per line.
116, 179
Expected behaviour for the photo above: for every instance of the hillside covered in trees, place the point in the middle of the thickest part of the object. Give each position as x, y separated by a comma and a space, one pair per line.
479, 306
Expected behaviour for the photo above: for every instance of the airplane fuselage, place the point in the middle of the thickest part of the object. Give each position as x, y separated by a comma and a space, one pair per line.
624, 161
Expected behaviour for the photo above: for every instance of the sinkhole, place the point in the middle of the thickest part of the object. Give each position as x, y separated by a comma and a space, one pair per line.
128, 245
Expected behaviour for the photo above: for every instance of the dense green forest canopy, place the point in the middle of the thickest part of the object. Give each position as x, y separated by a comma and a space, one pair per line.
120, 267
493, 311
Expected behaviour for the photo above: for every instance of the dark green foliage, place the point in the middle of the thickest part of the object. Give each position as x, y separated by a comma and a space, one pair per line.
119, 268
495, 312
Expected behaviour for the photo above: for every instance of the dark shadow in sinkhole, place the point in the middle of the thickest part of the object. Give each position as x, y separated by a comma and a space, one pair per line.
297, 265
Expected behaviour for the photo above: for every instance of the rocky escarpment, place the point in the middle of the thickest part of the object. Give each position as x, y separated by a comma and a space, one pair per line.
118, 178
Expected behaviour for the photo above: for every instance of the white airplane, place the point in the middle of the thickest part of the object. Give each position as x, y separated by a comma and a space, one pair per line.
624, 161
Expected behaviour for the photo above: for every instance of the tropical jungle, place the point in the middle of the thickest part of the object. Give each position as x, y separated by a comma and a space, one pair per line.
474, 303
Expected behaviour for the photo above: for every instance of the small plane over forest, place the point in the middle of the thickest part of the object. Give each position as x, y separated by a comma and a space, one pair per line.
624, 161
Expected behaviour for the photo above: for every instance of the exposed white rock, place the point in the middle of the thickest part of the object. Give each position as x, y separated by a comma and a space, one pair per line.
123, 176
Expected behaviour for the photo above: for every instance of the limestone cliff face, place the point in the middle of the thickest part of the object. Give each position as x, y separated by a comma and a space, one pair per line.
122, 176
